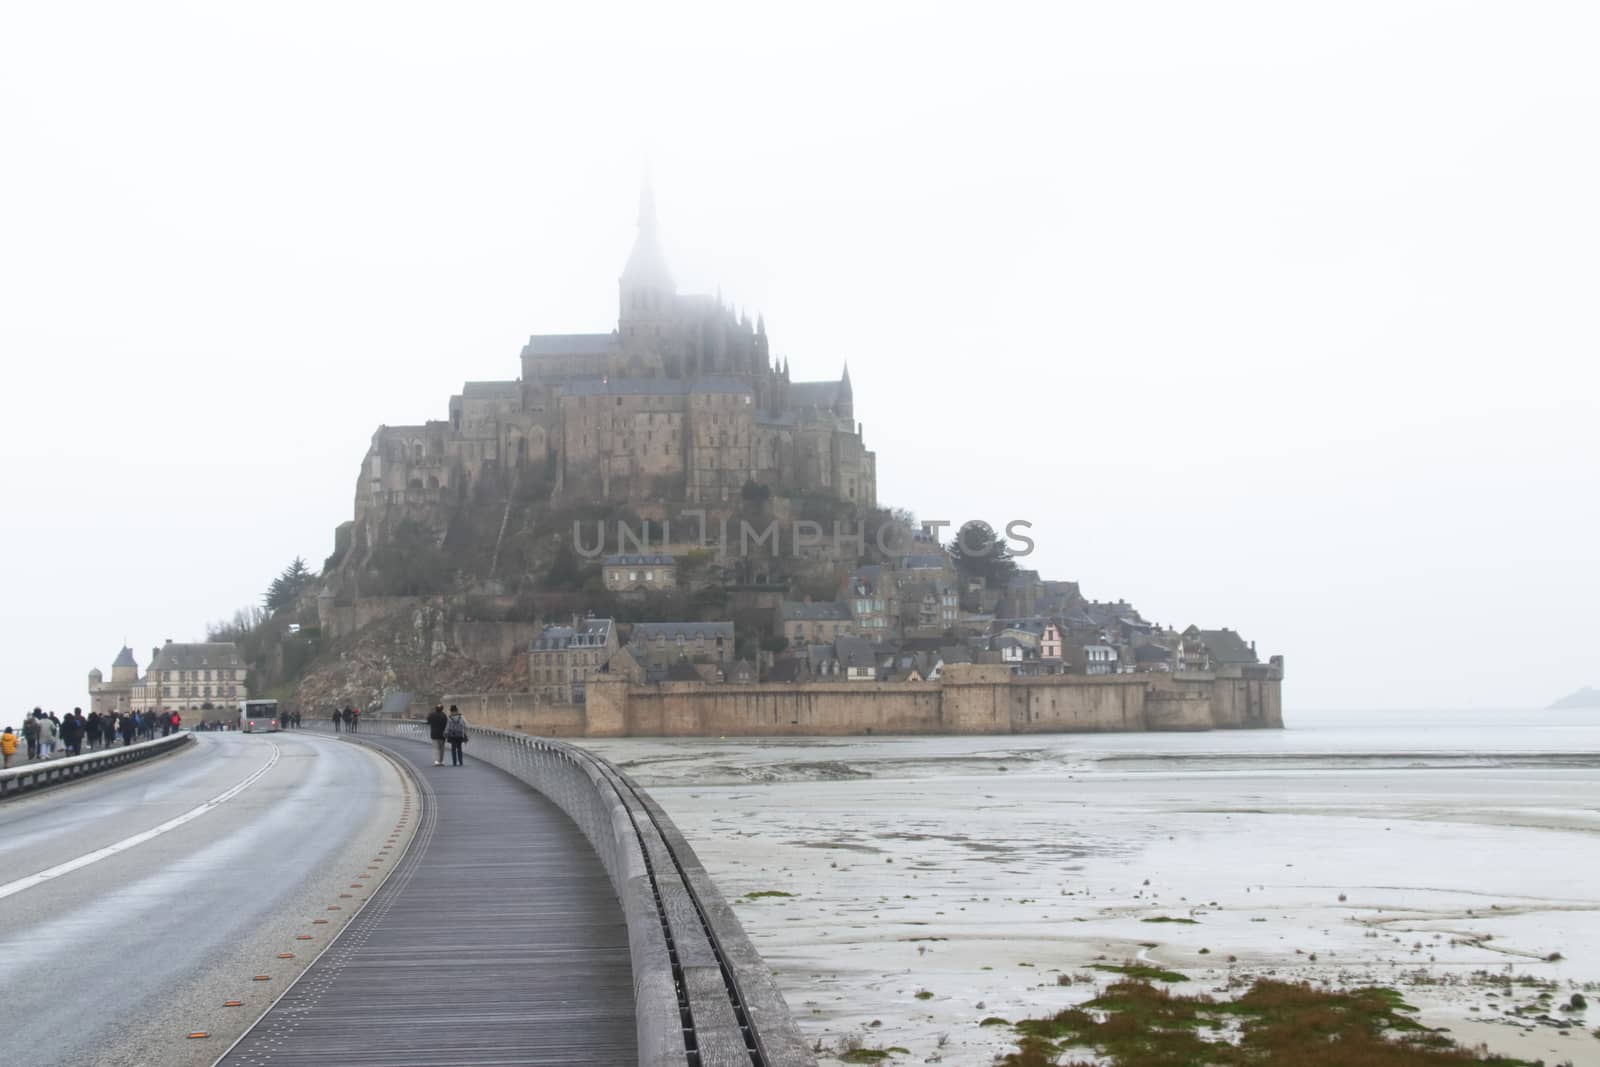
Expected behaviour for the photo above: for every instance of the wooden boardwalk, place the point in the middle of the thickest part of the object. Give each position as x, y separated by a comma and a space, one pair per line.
497, 940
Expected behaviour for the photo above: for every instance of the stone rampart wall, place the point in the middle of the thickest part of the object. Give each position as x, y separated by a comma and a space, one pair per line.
970, 700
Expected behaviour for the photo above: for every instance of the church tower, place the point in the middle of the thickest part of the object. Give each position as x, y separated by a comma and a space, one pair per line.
648, 297
124, 670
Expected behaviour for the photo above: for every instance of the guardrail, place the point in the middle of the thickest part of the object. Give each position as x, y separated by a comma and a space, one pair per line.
703, 995
41, 773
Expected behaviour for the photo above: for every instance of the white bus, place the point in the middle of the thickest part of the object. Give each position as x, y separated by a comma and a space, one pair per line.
258, 716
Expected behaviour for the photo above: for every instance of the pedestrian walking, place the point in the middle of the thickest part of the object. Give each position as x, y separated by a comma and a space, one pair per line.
355, 719
337, 718
30, 734
49, 732
438, 721
8, 747
129, 726
455, 732
71, 735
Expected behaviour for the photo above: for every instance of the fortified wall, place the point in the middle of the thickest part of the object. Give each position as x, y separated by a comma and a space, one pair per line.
972, 699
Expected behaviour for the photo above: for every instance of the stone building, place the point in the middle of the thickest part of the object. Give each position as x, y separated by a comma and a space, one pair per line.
681, 401
117, 694
563, 657
661, 644
817, 623
191, 677
639, 573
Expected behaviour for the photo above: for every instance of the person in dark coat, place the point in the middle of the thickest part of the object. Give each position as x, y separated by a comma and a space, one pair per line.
438, 721
338, 717
30, 733
71, 734
455, 732
129, 728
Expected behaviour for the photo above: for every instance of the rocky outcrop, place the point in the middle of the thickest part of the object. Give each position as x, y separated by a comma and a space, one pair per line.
1587, 697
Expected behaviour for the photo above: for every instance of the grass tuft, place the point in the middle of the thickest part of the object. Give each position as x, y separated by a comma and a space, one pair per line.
1140, 970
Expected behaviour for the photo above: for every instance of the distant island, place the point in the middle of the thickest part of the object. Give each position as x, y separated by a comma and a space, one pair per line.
1587, 697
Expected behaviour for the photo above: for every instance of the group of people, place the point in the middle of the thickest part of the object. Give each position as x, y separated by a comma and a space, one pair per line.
45, 734
447, 729
348, 718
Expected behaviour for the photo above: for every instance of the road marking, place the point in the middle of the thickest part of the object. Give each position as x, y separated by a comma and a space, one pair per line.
126, 843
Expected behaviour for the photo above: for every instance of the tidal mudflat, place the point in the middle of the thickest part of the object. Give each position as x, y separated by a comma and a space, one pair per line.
905, 890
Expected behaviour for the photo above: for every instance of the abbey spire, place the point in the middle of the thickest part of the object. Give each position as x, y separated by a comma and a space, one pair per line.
646, 284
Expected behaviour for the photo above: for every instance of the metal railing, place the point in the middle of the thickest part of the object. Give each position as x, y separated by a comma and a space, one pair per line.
38, 774
703, 996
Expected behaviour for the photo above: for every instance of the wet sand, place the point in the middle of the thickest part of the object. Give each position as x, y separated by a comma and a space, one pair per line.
938, 881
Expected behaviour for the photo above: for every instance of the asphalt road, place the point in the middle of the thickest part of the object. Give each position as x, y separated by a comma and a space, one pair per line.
132, 905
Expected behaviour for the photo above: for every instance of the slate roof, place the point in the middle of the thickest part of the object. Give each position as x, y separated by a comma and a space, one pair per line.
1226, 646
683, 671
124, 658
570, 344
685, 631
171, 657
1152, 653
855, 652
500, 389
789, 669
589, 633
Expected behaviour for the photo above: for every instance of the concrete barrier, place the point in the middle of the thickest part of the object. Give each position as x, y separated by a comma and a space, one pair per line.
42, 773
702, 993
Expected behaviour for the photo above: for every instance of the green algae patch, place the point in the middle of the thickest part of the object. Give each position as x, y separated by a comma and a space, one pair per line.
1133, 1023
1142, 971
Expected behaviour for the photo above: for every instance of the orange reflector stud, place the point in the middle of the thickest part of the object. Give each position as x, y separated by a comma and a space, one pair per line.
334, 907
302, 937
233, 1003
262, 978
286, 955
198, 1033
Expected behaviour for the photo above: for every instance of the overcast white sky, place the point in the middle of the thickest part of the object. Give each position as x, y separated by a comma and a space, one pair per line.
1265, 317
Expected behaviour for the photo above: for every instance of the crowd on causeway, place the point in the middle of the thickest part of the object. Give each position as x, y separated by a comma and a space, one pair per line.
44, 735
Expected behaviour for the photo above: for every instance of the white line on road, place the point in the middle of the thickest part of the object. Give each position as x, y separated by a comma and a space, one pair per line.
126, 843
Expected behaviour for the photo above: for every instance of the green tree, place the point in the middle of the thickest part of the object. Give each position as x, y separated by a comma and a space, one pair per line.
288, 585
978, 553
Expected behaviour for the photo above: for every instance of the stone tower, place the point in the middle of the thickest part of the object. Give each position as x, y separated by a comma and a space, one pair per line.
124, 670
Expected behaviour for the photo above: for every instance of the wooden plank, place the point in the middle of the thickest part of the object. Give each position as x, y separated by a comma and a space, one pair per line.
497, 940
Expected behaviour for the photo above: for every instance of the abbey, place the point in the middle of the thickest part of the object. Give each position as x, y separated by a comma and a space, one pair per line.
681, 402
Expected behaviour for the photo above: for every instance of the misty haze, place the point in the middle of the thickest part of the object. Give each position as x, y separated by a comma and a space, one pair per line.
1050, 535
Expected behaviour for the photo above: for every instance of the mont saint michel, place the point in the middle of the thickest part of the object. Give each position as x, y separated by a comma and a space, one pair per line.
459, 575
